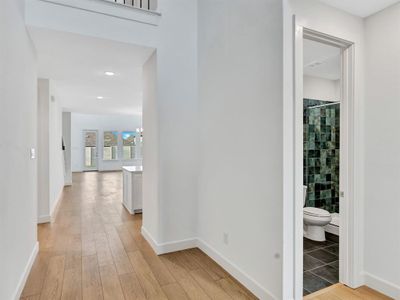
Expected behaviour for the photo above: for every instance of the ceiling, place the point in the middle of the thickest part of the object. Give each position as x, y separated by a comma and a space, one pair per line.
321, 60
361, 8
76, 65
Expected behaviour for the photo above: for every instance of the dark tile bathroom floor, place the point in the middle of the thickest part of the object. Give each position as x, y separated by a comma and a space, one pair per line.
320, 264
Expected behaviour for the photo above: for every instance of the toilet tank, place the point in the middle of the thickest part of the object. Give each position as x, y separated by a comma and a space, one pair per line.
304, 194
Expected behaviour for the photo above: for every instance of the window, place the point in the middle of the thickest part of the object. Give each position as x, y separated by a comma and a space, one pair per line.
90, 140
128, 145
110, 149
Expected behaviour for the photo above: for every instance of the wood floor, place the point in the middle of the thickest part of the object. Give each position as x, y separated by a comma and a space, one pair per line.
341, 292
93, 249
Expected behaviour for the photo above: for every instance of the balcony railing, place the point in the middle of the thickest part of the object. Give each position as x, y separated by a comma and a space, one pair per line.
142, 4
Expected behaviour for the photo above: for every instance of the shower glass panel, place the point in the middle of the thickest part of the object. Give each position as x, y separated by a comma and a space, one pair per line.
321, 153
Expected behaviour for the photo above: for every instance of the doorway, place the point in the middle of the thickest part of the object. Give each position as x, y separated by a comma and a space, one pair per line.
90, 150
323, 176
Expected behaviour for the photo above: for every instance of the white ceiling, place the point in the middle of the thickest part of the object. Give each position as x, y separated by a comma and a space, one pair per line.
361, 8
321, 60
76, 64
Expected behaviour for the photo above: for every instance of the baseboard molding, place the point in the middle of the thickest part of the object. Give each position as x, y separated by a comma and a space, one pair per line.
387, 288
44, 219
56, 204
163, 248
26, 272
231, 268
235, 271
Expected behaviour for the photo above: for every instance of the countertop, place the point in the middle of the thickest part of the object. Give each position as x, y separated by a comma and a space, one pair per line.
133, 169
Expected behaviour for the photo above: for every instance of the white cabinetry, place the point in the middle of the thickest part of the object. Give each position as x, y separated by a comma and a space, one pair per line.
132, 185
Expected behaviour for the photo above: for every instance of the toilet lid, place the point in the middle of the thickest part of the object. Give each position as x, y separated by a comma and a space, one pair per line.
317, 212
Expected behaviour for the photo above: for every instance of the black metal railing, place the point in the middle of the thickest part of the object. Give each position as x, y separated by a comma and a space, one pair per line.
143, 4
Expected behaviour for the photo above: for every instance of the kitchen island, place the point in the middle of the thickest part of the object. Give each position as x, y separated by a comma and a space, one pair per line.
132, 188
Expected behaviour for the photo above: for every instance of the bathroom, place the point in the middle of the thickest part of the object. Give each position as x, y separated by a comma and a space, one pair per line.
321, 165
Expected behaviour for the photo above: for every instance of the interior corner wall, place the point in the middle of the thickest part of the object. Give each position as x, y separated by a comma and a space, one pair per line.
18, 105
382, 159
240, 79
50, 154
66, 134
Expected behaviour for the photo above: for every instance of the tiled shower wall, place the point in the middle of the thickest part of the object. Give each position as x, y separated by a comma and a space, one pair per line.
321, 154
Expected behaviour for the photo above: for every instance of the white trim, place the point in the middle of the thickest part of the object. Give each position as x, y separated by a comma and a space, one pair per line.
236, 272
385, 287
349, 233
55, 205
163, 248
27, 270
298, 159
43, 219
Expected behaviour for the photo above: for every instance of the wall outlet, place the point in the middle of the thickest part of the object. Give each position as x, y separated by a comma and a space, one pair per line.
33, 153
226, 238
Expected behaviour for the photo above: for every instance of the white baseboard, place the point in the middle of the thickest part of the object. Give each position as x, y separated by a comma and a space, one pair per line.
235, 271
163, 248
231, 268
55, 205
44, 219
26, 272
387, 288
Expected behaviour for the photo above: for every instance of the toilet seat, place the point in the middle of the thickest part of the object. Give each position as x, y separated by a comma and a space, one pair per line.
316, 212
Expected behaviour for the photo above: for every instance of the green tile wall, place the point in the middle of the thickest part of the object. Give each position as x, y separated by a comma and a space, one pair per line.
321, 154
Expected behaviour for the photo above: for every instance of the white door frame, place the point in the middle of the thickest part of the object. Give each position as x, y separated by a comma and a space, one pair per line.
348, 230
87, 169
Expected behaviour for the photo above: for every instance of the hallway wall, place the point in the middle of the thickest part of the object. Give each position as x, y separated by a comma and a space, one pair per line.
240, 100
18, 105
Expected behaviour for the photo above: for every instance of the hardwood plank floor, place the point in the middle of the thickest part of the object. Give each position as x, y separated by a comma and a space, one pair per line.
93, 249
341, 292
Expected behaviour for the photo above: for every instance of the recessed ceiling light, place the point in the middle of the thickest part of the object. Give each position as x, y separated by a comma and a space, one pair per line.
109, 73
100, 97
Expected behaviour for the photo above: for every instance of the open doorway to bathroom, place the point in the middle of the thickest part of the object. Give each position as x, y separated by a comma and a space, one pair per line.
324, 82
321, 164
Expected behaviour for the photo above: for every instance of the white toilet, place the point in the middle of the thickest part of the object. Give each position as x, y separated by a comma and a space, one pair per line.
315, 219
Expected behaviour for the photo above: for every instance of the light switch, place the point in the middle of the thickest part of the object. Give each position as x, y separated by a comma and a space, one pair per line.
33, 153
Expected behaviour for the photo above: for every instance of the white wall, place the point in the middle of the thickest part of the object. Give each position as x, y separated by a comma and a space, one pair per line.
56, 163
18, 105
66, 133
101, 123
240, 98
382, 159
320, 17
43, 150
150, 146
321, 89
50, 155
